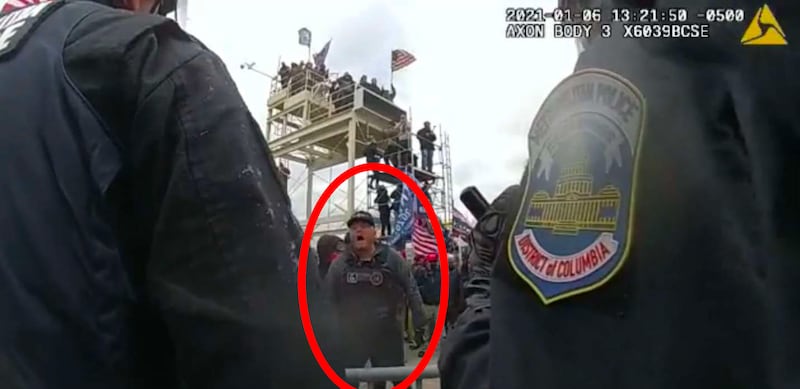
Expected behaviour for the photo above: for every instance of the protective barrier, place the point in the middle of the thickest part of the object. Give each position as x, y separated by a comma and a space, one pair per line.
383, 374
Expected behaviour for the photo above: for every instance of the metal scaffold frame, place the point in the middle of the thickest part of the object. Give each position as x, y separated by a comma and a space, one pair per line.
311, 124
441, 179
448, 201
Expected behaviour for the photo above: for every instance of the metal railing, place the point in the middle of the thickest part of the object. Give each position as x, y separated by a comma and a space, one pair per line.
392, 374
328, 102
297, 81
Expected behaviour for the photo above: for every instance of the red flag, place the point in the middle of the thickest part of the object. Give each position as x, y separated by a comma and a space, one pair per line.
422, 238
401, 59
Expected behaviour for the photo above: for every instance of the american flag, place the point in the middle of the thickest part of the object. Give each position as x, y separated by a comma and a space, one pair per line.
422, 238
401, 59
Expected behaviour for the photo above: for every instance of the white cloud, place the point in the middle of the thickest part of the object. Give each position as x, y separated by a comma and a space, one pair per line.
482, 88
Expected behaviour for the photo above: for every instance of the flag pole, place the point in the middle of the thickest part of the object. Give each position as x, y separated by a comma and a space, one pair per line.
391, 68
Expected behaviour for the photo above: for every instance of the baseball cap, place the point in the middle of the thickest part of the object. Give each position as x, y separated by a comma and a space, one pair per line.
361, 216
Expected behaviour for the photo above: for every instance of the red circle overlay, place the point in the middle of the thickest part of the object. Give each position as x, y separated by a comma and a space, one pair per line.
303, 269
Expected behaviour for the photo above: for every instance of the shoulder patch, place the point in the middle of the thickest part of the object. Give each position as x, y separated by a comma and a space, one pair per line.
573, 229
16, 25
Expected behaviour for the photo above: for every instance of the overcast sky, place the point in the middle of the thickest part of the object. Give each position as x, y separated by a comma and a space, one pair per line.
482, 88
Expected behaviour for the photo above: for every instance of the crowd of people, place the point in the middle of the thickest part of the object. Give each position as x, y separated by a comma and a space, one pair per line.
386, 297
373, 87
299, 76
341, 91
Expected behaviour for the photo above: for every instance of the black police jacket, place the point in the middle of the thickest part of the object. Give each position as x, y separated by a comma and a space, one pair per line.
426, 138
145, 241
365, 292
708, 292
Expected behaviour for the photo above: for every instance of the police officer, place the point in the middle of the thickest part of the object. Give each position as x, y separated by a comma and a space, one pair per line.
672, 292
368, 285
145, 239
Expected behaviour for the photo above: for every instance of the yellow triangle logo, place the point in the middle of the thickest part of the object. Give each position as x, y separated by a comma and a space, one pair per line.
764, 30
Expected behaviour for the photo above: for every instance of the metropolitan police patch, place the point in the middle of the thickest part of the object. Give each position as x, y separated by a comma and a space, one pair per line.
573, 229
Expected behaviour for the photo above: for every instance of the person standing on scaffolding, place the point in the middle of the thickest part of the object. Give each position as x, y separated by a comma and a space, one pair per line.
373, 155
382, 200
426, 138
396, 196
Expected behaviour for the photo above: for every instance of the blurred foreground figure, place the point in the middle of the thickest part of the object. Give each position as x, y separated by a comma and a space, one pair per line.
145, 239
654, 239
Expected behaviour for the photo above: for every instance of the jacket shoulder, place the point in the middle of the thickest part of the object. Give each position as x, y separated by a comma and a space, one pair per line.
115, 34
393, 258
338, 265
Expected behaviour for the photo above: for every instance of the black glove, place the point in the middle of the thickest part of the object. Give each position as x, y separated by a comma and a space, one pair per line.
488, 239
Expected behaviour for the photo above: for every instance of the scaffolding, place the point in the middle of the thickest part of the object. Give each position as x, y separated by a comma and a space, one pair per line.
309, 122
312, 122
440, 179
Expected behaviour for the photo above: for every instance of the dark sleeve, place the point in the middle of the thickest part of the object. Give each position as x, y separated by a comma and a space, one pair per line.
332, 280
409, 284
313, 278
464, 360
767, 115
201, 208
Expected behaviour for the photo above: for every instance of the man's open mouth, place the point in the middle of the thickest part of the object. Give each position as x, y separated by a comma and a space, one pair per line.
359, 237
